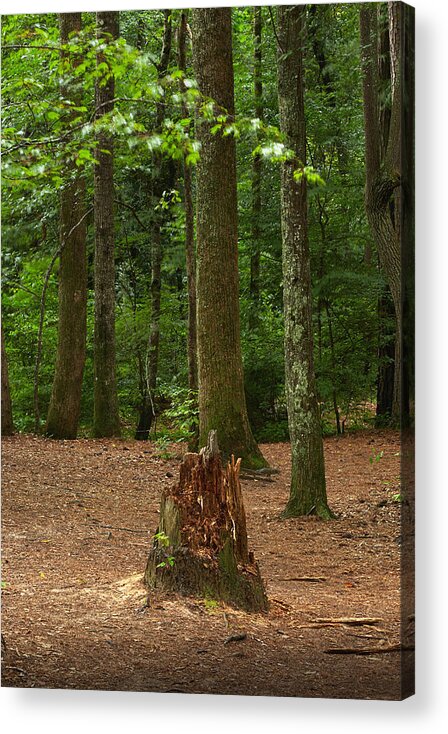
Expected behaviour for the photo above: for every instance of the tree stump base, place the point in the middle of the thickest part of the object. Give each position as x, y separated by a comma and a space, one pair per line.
200, 547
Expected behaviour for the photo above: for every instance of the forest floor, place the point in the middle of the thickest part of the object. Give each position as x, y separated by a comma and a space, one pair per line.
77, 520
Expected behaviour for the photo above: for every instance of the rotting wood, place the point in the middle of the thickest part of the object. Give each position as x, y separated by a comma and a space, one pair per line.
200, 547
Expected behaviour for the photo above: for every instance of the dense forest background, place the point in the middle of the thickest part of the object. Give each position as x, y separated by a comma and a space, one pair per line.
51, 138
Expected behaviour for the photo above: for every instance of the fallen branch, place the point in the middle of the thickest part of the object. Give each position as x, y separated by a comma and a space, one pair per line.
126, 530
264, 471
367, 650
342, 621
310, 579
255, 477
355, 621
235, 638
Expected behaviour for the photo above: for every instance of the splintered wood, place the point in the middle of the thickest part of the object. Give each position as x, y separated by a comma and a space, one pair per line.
200, 546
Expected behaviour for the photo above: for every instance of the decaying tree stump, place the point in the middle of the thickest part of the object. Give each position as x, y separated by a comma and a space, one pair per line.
200, 547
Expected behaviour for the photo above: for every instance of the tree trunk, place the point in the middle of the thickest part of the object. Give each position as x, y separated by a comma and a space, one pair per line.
106, 415
200, 547
190, 254
190, 250
7, 421
222, 402
65, 402
333, 376
162, 181
383, 162
257, 167
386, 359
308, 490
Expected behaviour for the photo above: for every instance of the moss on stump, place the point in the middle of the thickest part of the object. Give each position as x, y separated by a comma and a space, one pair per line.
200, 547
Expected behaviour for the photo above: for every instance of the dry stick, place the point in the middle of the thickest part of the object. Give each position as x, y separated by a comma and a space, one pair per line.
41, 318
310, 579
235, 638
252, 478
343, 621
127, 530
349, 620
367, 650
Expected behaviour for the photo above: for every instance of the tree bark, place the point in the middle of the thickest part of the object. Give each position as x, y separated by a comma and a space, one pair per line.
65, 402
7, 420
383, 162
190, 254
106, 414
190, 249
222, 402
257, 168
308, 489
386, 359
162, 180
200, 547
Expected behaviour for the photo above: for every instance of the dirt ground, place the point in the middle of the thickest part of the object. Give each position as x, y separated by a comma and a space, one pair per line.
77, 520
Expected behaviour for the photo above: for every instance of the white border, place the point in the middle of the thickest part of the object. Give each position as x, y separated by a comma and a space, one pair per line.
74, 711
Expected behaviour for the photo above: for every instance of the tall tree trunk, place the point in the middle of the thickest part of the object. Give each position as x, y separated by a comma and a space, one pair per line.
333, 364
222, 402
308, 489
383, 163
386, 359
7, 421
385, 307
257, 165
162, 180
65, 402
190, 250
106, 415
190, 254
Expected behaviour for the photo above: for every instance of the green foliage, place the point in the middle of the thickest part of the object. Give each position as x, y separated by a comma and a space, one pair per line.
375, 458
183, 412
211, 605
42, 133
163, 541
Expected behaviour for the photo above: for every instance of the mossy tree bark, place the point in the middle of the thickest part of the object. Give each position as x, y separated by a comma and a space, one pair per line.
384, 162
7, 420
106, 416
308, 489
65, 402
200, 547
222, 402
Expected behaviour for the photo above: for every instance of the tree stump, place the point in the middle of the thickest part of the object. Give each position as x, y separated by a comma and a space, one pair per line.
200, 546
